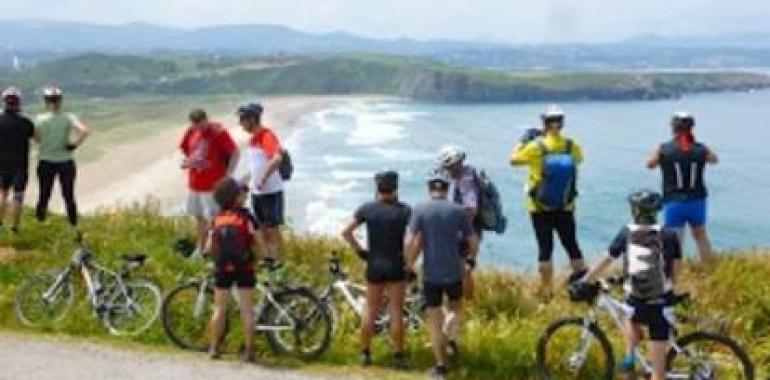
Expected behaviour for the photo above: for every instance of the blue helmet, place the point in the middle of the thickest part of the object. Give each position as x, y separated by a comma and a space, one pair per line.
253, 109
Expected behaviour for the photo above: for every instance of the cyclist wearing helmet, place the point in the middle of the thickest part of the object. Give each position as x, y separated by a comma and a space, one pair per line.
464, 191
386, 220
15, 133
435, 230
264, 160
651, 256
54, 131
532, 152
210, 154
683, 162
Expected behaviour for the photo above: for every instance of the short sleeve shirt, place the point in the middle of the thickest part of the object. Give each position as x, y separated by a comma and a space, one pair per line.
264, 146
386, 225
208, 150
443, 226
672, 249
15, 133
54, 130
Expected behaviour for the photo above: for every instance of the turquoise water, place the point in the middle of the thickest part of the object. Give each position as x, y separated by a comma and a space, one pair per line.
337, 151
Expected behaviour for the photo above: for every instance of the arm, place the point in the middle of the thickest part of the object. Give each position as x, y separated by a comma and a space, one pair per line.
233, 162
473, 246
711, 157
82, 129
347, 234
654, 161
272, 166
517, 157
599, 268
675, 270
414, 245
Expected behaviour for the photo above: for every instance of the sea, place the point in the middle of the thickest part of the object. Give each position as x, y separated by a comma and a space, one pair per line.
337, 150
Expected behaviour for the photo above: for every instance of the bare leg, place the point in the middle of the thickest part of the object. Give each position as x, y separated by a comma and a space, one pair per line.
453, 320
437, 337
218, 320
546, 278
246, 296
274, 241
658, 359
373, 303
3, 205
203, 232
18, 205
396, 295
577, 265
469, 285
704, 245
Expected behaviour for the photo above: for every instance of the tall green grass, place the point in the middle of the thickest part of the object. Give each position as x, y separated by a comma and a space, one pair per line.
499, 334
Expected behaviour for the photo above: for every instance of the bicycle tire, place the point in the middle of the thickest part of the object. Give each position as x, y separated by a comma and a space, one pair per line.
195, 338
114, 318
702, 337
546, 373
317, 316
24, 297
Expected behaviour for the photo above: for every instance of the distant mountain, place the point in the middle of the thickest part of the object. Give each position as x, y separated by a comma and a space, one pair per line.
100, 75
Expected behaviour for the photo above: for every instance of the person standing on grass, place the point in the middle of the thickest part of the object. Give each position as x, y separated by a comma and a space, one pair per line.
386, 220
437, 228
231, 244
464, 191
682, 161
264, 160
210, 155
15, 133
552, 190
54, 130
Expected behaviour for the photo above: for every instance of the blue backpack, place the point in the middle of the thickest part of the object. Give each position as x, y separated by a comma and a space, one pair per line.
557, 188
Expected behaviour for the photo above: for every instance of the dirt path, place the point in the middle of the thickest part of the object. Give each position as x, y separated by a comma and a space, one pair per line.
25, 357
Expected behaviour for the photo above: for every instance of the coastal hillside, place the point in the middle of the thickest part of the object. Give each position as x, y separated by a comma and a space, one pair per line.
100, 75
499, 338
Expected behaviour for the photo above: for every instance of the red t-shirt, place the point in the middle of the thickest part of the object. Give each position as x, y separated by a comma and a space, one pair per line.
208, 150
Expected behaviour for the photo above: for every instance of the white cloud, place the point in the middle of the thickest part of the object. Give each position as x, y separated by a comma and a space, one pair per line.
501, 20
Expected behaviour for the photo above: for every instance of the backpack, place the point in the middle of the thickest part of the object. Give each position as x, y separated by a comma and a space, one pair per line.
231, 239
645, 264
286, 168
490, 216
557, 187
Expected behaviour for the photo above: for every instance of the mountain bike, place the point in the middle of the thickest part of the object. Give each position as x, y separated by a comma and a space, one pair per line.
578, 348
354, 295
292, 318
125, 306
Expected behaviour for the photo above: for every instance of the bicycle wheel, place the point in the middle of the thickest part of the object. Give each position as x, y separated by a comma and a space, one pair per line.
133, 311
567, 350
705, 355
298, 324
186, 314
39, 303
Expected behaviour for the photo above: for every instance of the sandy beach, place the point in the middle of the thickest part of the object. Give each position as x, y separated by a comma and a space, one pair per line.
147, 167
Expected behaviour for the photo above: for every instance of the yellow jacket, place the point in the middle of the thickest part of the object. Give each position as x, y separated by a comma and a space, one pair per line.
529, 154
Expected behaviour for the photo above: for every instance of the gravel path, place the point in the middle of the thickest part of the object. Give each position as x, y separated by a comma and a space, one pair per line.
27, 357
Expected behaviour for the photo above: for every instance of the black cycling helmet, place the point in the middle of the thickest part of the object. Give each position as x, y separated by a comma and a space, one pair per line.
386, 181
184, 246
683, 120
645, 204
252, 109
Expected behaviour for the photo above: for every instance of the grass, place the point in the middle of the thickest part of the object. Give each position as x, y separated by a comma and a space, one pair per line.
499, 338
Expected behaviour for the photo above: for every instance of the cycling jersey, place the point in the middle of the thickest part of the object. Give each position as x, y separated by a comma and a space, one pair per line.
386, 225
683, 172
15, 133
263, 147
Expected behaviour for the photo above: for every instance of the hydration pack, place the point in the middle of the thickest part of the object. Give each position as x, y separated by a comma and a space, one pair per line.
557, 187
490, 216
286, 168
231, 239
644, 264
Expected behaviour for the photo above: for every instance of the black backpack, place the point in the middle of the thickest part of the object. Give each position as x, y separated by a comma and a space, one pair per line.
231, 241
286, 169
644, 264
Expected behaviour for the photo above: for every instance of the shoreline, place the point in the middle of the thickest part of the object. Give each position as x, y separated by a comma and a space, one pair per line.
145, 169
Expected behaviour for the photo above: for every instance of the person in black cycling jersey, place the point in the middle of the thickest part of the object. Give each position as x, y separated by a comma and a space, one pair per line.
651, 256
386, 220
15, 133
682, 162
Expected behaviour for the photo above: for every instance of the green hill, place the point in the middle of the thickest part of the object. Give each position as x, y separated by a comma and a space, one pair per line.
419, 79
499, 337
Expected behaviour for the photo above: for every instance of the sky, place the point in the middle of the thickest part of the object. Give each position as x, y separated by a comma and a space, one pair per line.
507, 21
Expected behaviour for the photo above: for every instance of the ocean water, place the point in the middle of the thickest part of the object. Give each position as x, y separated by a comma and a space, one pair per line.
337, 150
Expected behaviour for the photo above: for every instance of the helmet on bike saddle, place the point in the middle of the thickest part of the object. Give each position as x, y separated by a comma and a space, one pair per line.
184, 246
582, 291
450, 155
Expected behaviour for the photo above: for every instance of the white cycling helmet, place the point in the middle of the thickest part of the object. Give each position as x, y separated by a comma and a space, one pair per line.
11, 92
552, 112
52, 92
450, 155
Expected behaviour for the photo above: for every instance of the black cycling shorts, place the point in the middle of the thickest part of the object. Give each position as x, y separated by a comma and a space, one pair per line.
16, 179
269, 209
434, 293
657, 318
381, 270
242, 280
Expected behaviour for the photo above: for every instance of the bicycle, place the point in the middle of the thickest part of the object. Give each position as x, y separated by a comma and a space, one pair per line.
354, 295
125, 306
288, 317
699, 355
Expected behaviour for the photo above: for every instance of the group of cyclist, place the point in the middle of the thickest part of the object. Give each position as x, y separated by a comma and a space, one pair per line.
58, 134
445, 230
